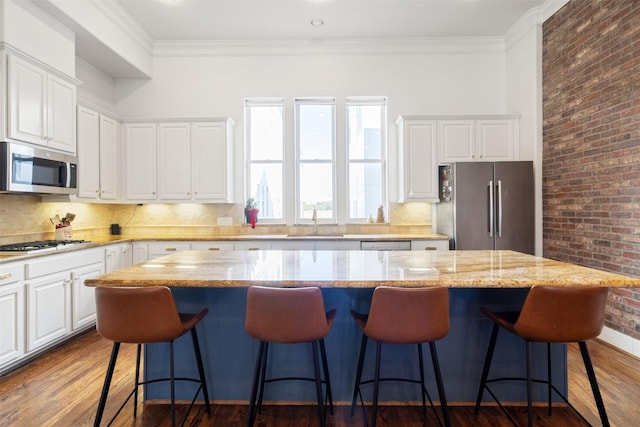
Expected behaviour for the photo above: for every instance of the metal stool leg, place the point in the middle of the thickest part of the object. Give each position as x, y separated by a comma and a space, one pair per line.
263, 377
254, 387
529, 385
487, 364
376, 385
173, 384
135, 390
107, 383
203, 380
440, 384
325, 365
318, 378
594, 383
549, 376
422, 387
356, 387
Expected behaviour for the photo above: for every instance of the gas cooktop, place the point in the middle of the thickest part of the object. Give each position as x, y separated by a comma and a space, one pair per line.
39, 246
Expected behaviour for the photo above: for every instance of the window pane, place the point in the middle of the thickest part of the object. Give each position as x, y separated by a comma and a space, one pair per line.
365, 189
266, 189
315, 125
365, 131
266, 132
316, 190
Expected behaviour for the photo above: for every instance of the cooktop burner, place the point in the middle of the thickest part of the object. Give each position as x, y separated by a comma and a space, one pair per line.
39, 246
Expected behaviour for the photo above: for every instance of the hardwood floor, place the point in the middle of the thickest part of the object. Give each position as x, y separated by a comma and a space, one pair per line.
62, 389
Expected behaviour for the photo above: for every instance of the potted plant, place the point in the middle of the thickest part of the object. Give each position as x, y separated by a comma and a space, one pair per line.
251, 212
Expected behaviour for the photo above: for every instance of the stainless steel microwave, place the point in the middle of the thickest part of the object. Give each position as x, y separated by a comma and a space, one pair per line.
27, 169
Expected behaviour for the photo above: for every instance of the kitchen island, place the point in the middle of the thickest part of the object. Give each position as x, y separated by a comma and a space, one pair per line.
218, 280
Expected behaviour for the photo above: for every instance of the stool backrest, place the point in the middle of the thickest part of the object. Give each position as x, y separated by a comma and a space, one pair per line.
137, 315
553, 314
408, 315
286, 315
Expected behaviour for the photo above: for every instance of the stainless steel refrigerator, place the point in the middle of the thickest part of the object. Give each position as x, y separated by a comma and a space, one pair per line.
487, 205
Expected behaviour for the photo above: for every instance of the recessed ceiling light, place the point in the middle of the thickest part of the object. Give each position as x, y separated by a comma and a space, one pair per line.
317, 22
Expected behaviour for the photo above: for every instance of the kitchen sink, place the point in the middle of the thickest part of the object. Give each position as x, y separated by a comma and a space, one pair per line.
316, 235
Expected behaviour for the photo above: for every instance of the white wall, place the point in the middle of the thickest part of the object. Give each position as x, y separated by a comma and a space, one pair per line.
97, 87
469, 81
30, 30
524, 76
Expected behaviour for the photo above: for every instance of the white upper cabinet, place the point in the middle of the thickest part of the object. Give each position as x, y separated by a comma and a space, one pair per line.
140, 161
41, 106
478, 139
110, 164
181, 161
212, 161
98, 151
174, 159
418, 169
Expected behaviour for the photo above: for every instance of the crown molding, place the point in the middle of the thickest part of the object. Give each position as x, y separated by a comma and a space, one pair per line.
400, 46
119, 16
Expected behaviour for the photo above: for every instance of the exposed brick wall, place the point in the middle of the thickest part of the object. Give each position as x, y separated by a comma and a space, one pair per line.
591, 148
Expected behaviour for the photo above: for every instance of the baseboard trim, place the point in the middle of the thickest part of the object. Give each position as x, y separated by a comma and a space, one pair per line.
621, 341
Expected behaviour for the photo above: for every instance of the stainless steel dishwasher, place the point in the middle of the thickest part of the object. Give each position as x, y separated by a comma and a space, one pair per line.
385, 245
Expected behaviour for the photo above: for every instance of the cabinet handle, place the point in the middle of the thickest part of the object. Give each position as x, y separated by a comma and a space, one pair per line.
253, 249
213, 249
170, 249
430, 248
5, 276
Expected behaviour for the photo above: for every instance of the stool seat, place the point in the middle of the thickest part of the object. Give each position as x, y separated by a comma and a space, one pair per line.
145, 315
288, 316
404, 316
550, 315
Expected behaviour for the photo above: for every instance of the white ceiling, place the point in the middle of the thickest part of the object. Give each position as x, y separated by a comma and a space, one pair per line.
342, 19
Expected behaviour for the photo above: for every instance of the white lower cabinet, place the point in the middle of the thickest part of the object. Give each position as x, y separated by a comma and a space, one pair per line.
84, 298
58, 303
117, 257
12, 313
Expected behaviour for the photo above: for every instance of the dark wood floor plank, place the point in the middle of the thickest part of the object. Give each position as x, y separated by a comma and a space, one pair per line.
62, 388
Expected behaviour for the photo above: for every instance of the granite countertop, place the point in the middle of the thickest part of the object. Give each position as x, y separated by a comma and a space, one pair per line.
359, 269
110, 240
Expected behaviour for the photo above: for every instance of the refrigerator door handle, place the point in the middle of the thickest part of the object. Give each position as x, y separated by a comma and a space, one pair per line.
491, 208
499, 213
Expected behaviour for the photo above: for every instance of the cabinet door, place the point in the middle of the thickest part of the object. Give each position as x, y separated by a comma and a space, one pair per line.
419, 167
457, 143
174, 158
61, 107
211, 162
110, 165
27, 102
126, 255
140, 253
49, 309
88, 153
140, 158
84, 300
12, 322
497, 140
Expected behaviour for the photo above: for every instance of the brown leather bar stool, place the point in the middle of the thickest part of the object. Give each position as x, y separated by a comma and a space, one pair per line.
404, 316
550, 315
143, 316
288, 316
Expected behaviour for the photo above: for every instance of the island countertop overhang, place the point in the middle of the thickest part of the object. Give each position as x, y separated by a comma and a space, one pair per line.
359, 269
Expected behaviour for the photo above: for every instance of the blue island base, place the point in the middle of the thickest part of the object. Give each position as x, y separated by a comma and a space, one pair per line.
229, 354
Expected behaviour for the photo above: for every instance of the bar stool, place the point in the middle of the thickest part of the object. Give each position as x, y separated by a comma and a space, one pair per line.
550, 315
288, 316
143, 316
404, 316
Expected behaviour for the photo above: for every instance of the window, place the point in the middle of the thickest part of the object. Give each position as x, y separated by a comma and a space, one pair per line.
366, 118
335, 166
315, 158
264, 121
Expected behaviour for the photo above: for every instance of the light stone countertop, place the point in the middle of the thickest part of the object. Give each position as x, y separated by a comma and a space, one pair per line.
359, 269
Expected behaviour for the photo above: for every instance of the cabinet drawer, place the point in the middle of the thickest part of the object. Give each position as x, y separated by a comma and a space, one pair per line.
11, 273
157, 250
429, 245
53, 263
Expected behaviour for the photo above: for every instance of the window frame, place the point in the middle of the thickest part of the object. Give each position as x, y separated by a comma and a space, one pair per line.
265, 102
366, 101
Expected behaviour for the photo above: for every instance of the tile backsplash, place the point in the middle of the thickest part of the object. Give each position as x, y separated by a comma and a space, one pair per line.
26, 217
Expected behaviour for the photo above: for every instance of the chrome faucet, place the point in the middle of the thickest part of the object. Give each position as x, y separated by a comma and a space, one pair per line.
314, 218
